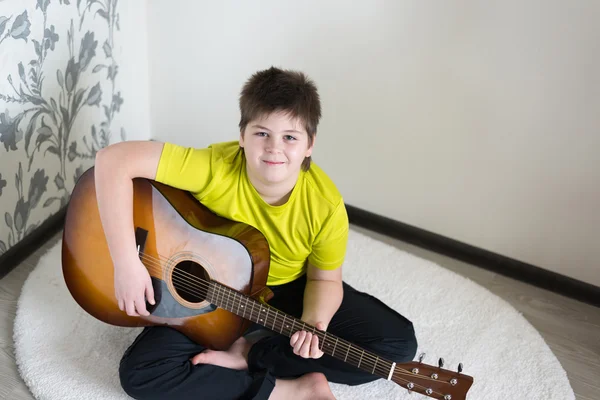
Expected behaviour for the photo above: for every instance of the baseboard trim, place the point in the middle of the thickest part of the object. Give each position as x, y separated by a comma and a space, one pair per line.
488, 260
485, 259
36, 239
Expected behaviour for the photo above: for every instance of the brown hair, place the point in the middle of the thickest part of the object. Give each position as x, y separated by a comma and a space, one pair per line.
274, 90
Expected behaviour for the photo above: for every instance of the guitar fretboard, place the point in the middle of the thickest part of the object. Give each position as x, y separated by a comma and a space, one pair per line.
277, 321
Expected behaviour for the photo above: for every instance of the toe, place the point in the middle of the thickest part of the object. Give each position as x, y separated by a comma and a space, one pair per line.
200, 358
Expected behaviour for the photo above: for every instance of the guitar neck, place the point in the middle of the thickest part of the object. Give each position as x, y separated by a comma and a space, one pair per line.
279, 322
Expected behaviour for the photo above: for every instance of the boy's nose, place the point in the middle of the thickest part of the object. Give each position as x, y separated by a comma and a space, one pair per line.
274, 145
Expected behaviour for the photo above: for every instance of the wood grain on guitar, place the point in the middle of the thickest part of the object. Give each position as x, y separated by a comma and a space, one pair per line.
209, 275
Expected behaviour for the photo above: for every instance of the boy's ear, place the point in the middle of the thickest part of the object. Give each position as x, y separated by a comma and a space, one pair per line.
310, 149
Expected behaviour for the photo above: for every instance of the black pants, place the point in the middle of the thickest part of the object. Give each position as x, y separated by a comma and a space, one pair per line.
157, 365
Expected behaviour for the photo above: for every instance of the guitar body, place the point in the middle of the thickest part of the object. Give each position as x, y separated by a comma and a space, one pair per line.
209, 276
182, 243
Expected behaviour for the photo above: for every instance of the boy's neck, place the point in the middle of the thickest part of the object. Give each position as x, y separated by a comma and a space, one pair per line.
274, 195
277, 201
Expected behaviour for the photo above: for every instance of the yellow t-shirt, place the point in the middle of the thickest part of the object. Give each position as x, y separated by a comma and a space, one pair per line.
312, 225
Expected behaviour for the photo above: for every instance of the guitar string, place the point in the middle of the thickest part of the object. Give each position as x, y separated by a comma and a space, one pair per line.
205, 285
224, 290
397, 373
356, 352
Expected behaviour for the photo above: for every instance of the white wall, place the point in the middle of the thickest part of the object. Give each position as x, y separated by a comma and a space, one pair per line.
133, 71
474, 120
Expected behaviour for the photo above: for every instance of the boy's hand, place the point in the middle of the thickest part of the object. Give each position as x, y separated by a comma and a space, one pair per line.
306, 344
133, 286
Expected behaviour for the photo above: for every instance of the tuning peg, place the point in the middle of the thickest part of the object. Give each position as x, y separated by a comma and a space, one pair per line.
441, 362
421, 356
460, 368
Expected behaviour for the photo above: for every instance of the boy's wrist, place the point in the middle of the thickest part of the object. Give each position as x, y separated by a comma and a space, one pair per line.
313, 321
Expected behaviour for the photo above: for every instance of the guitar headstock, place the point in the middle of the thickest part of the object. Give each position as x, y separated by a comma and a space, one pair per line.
435, 382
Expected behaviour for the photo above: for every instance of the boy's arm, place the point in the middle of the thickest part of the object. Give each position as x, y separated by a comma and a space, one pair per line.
322, 296
324, 290
115, 167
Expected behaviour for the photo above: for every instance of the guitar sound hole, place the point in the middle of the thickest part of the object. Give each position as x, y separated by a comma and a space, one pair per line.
190, 281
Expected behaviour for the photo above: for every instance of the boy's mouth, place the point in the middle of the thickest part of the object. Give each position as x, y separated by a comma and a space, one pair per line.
273, 162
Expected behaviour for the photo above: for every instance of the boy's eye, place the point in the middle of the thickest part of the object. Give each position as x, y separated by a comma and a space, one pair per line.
261, 133
289, 137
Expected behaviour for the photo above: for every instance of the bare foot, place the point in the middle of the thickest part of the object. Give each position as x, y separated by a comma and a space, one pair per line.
312, 386
236, 357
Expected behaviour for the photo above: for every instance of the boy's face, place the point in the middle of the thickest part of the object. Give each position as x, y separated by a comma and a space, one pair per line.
275, 147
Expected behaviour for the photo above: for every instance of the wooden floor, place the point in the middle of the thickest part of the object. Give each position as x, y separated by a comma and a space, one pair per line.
571, 328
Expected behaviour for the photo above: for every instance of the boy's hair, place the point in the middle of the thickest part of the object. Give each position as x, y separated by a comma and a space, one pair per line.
274, 90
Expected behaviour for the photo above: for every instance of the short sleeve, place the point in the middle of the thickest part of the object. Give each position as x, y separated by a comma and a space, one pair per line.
329, 247
184, 168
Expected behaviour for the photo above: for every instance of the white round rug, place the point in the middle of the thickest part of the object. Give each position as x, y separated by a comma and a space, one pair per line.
63, 353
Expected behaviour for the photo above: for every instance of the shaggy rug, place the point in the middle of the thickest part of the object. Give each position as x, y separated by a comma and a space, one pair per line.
63, 353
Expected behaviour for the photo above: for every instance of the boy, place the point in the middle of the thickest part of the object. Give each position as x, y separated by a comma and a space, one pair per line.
265, 179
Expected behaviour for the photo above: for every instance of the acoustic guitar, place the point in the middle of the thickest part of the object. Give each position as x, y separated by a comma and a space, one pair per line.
209, 276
